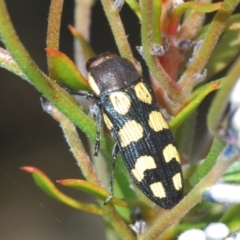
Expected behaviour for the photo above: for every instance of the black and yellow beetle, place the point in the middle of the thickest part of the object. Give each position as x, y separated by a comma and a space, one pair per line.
131, 113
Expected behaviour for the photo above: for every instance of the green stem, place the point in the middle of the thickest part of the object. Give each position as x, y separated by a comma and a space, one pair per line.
180, 9
82, 14
194, 21
208, 162
90, 174
118, 30
156, 28
231, 218
213, 34
7, 62
78, 150
54, 21
147, 40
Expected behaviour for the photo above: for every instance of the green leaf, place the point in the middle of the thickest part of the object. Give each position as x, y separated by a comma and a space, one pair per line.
87, 50
98, 192
231, 218
196, 98
65, 71
233, 173
134, 5
48, 187
197, 6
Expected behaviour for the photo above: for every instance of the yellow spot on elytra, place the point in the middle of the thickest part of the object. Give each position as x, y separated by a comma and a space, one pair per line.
170, 152
142, 93
142, 164
120, 101
93, 84
107, 121
177, 181
131, 131
158, 190
156, 121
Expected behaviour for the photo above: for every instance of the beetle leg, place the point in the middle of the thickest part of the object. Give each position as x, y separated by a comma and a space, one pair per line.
114, 155
98, 134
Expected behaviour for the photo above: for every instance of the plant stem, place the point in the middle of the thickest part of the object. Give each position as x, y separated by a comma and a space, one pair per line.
54, 21
213, 34
194, 21
78, 150
82, 14
118, 30
152, 60
7, 62
89, 173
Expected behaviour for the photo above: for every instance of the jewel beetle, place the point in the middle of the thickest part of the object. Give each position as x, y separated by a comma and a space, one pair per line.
130, 111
